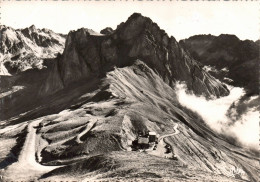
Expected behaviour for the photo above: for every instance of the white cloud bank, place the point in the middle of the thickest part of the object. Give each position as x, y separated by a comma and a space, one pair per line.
215, 114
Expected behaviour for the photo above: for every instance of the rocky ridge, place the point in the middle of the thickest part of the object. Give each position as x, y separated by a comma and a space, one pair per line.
89, 54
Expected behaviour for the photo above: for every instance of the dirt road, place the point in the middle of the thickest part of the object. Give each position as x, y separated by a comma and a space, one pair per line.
171, 134
86, 130
160, 150
27, 168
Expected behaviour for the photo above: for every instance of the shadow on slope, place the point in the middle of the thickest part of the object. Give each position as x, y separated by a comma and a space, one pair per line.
14, 152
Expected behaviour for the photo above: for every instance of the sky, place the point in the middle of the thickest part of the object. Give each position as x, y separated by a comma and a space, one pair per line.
180, 19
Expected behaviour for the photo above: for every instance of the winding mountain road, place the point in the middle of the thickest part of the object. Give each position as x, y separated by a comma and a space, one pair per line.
160, 150
86, 130
171, 134
27, 168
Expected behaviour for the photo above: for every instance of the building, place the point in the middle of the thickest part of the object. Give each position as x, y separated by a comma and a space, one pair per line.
143, 142
152, 136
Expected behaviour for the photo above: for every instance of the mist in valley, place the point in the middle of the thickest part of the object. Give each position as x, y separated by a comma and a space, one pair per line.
221, 115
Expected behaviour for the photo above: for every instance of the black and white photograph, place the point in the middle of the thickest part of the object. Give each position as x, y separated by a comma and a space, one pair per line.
131, 91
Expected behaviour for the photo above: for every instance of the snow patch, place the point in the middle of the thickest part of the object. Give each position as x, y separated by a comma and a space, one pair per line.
210, 69
225, 69
228, 80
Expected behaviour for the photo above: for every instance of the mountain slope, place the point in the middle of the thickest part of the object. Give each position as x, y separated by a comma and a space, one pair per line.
129, 100
237, 60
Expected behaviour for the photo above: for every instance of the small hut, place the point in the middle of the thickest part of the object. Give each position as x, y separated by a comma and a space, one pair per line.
152, 136
143, 142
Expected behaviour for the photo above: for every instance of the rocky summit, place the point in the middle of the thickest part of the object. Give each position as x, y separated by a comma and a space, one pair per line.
106, 108
89, 54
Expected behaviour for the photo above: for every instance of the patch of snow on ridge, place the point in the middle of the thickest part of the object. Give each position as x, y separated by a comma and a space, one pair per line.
228, 80
214, 113
210, 69
225, 69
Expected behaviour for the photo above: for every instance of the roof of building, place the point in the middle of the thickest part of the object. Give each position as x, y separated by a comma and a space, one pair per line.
152, 133
143, 140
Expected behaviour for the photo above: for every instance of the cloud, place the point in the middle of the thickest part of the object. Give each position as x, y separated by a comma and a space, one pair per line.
247, 128
222, 118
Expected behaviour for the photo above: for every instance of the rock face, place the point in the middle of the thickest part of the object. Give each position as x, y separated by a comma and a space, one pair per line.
89, 54
24, 49
107, 31
237, 59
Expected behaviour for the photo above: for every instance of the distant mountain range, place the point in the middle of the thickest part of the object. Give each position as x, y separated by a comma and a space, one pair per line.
235, 61
24, 49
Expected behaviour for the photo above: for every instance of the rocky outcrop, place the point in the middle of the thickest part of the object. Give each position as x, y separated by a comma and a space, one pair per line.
90, 54
107, 31
238, 58
24, 49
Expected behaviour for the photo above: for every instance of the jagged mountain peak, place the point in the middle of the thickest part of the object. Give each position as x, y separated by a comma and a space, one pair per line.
89, 54
32, 28
137, 24
4, 27
83, 31
107, 31
79, 36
